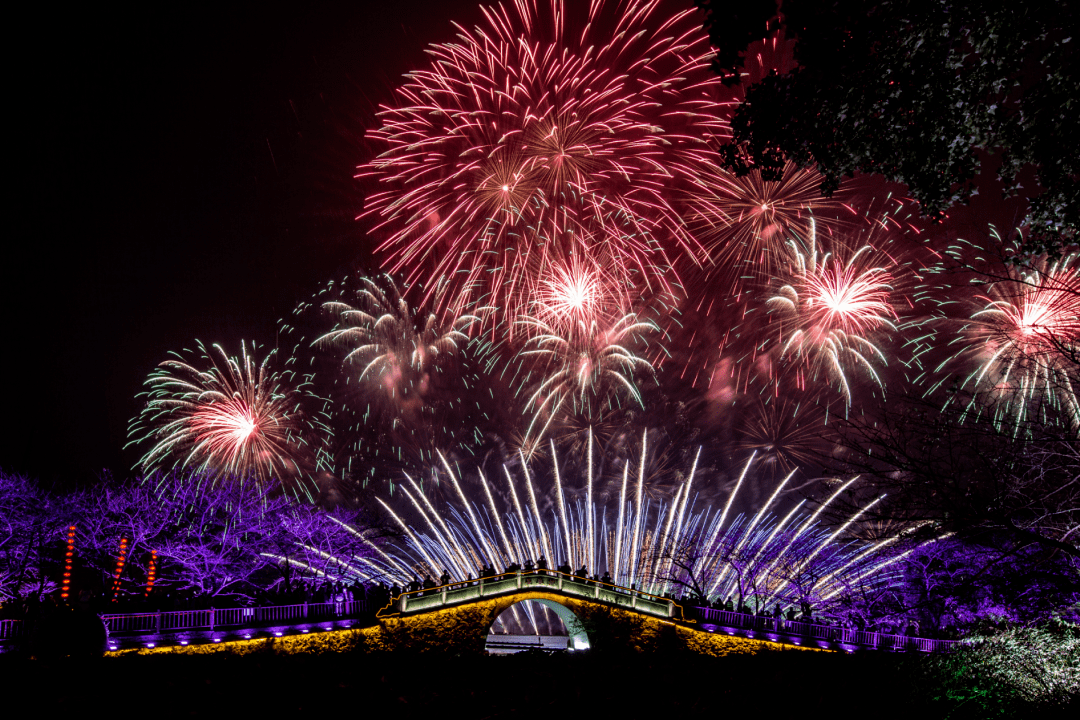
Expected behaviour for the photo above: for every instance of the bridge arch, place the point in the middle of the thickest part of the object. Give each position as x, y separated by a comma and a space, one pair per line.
578, 638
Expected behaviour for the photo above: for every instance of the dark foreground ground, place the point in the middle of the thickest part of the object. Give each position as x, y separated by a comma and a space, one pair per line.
807, 684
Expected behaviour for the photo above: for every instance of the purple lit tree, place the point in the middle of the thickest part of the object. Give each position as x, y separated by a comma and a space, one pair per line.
216, 540
32, 524
1006, 495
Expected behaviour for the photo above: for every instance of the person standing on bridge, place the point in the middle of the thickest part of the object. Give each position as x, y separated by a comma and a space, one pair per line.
541, 565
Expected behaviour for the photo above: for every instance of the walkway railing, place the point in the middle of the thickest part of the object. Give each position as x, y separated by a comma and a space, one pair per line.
220, 618
11, 629
826, 633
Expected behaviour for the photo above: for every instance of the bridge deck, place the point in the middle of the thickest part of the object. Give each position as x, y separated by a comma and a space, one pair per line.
428, 599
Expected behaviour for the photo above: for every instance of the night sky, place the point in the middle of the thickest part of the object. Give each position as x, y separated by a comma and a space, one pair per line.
182, 174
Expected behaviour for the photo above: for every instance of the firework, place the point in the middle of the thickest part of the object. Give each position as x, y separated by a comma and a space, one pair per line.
552, 115
232, 416
746, 221
389, 343
1024, 339
582, 371
659, 547
574, 293
832, 308
397, 374
785, 432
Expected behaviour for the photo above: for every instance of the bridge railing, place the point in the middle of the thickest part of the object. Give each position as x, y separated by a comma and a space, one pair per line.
829, 633
502, 583
255, 617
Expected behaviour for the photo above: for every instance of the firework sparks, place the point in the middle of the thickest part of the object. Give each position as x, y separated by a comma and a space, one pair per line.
785, 432
583, 371
400, 377
1026, 339
572, 294
234, 416
388, 338
746, 220
568, 113
833, 307
658, 547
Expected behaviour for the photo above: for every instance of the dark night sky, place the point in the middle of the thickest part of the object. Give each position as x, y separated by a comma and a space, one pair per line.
182, 173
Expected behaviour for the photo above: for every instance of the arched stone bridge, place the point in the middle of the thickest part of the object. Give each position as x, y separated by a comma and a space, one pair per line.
558, 591
425, 600
568, 594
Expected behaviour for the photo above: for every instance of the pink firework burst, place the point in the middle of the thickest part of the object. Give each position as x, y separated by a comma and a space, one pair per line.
574, 293
567, 113
832, 307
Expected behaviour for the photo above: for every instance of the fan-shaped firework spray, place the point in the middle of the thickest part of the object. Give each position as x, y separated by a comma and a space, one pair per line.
658, 547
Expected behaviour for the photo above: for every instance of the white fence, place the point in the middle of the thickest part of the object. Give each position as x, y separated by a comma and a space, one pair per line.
215, 618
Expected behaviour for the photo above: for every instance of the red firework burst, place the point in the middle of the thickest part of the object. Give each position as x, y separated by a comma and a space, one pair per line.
1026, 339
595, 115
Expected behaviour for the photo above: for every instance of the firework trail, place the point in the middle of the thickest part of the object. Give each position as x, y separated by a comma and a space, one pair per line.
1024, 341
832, 307
551, 115
232, 416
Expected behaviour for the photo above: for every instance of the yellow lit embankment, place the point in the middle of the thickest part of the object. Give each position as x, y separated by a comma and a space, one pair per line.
463, 629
